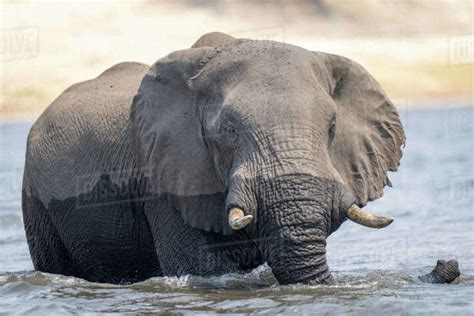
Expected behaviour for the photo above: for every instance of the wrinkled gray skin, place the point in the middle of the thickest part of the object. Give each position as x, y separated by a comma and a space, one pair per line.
444, 272
122, 185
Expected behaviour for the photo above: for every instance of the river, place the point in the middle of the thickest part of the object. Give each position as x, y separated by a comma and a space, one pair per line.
376, 270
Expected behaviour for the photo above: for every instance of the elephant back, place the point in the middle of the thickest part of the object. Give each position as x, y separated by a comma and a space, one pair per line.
83, 135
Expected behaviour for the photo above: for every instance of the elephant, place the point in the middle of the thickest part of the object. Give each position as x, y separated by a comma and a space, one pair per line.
215, 159
443, 272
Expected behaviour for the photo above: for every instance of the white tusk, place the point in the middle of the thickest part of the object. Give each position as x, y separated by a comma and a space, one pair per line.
366, 219
238, 219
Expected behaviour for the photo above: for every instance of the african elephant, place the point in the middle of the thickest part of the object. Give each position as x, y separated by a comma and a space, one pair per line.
215, 159
443, 272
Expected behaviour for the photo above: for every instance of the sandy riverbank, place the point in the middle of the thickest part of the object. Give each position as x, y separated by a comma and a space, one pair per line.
420, 51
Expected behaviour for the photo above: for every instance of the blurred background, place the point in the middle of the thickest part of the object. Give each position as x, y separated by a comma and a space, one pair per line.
420, 50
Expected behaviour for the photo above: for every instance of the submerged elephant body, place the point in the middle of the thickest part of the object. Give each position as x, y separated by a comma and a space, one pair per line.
215, 159
443, 272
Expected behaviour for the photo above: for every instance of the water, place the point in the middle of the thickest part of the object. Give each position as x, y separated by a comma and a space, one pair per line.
376, 270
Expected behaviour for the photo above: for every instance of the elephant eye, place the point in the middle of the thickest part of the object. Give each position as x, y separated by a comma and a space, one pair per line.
332, 130
228, 131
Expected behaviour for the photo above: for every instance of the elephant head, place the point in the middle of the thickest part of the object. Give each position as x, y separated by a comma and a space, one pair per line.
269, 138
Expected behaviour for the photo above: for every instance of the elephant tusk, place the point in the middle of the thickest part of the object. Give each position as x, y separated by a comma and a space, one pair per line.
366, 219
238, 219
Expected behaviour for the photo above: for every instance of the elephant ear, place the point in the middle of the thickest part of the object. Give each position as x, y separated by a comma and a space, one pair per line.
368, 131
168, 141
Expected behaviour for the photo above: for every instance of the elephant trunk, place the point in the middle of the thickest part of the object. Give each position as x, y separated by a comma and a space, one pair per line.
294, 260
293, 223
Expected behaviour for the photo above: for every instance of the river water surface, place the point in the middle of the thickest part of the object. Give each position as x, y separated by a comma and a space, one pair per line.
376, 270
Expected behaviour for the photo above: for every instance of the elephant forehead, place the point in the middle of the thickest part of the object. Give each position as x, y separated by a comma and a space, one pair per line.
258, 78
258, 61
283, 104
